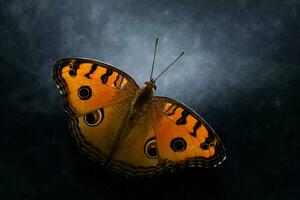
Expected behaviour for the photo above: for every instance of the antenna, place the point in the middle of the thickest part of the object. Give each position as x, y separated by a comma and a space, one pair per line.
154, 58
169, 66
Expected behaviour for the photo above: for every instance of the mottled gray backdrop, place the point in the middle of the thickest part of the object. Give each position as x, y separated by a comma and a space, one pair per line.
240, 71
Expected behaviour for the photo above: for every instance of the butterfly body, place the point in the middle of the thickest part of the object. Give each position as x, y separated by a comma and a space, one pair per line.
127, 128
142, 99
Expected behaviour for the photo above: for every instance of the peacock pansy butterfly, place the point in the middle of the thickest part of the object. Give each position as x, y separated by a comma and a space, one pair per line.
127, 128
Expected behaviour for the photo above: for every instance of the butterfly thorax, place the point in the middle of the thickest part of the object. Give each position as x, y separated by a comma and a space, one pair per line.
142, 98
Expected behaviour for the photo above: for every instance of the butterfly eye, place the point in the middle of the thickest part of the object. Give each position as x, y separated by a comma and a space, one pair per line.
154, 87
178, 144
150, 148
84, 92
94, 118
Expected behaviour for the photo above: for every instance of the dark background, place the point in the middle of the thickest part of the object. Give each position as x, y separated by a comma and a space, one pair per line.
240, 72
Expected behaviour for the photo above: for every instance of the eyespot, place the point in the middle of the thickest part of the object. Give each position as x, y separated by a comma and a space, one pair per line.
150, 148
84, 92
72, 72
178, 144
94, 118
204, 146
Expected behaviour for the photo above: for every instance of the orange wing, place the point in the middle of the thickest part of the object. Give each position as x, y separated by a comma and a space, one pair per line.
87, 84
183, 137
98, 97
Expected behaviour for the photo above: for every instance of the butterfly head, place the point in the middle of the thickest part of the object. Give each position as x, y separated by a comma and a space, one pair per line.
150, 85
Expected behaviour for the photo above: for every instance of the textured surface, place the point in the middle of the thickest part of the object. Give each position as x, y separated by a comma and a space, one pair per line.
240, 72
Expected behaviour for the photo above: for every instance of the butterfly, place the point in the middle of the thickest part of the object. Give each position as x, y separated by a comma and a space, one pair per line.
125, 127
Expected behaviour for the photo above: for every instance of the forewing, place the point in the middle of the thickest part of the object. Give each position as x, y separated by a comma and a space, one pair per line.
183, 137
87, 85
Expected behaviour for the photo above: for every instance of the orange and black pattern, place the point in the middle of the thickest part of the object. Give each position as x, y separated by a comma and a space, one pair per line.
189, 138
96, 83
